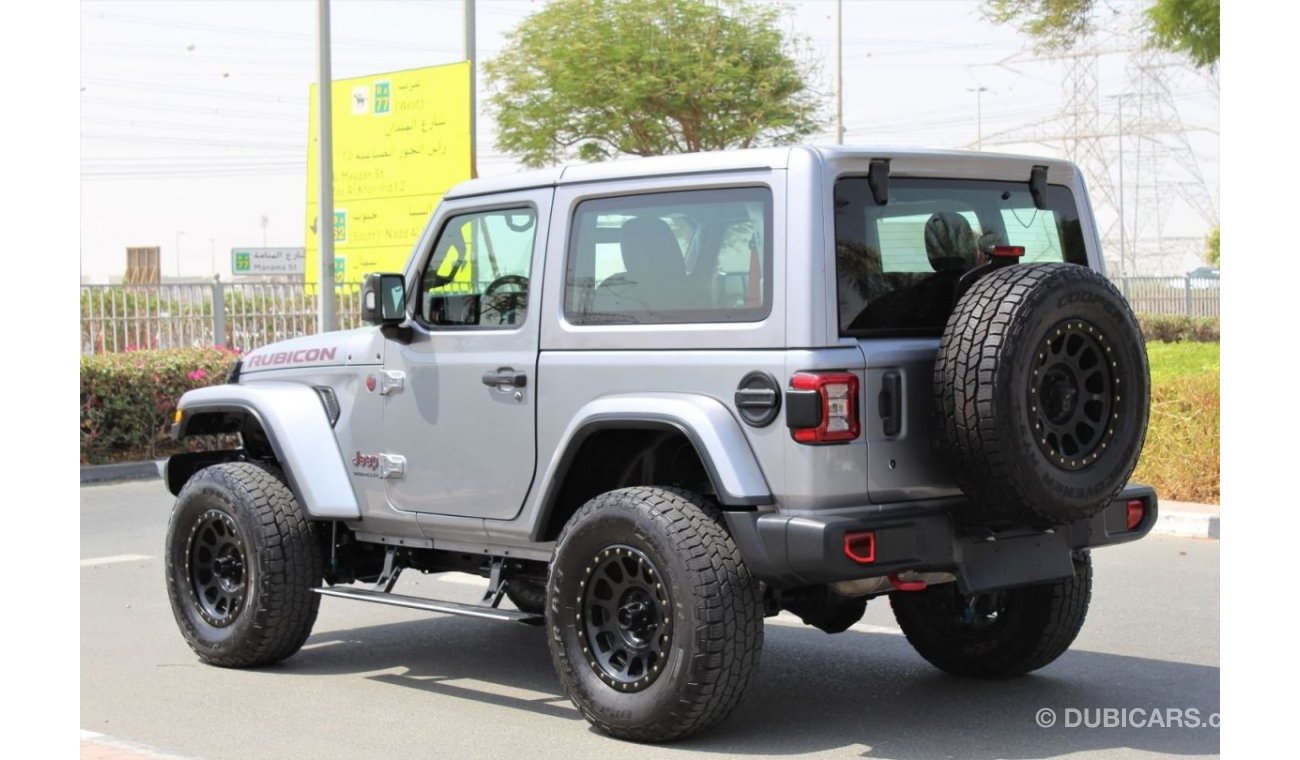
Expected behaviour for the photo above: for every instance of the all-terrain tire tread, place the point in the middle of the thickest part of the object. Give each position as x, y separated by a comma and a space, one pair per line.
994, 312
730, 629
290, 559
1054, 615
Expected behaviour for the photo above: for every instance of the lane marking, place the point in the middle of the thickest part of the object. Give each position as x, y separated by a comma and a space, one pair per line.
114, 559
97, 746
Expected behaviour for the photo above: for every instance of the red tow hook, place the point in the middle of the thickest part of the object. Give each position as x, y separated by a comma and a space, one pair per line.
903, 585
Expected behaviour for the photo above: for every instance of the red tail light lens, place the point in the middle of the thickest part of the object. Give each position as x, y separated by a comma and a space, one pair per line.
838, 392
1137, 511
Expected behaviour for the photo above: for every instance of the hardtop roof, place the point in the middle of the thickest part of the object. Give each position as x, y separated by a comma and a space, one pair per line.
904, 160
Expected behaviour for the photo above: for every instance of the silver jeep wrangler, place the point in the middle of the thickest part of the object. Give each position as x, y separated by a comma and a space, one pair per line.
652, 402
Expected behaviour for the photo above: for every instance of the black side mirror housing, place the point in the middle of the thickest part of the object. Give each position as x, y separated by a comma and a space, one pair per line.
383, 299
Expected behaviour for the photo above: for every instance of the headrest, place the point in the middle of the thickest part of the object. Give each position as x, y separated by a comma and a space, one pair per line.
650, 249
949, 242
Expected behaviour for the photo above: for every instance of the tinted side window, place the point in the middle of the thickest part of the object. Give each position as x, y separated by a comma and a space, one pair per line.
898, 264
477, 275
692, 256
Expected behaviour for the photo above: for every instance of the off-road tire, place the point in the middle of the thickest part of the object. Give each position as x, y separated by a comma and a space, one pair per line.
675, 546
1034, 624
1041, 395
527, 593
256, 606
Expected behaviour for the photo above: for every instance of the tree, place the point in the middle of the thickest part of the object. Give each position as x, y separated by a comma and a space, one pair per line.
1212, 247
1053, 24
599, 78
1190, 27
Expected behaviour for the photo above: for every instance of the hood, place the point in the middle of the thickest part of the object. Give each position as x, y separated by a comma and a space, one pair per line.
361, 346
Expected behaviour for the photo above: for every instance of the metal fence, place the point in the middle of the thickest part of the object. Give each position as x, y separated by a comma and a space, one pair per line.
236, 315
1182, 296
248, 315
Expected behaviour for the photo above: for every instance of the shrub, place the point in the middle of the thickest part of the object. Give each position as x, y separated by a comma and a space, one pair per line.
1171, 328
1181, 455
127, 399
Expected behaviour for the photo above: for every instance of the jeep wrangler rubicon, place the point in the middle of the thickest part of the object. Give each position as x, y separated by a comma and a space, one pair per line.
653, 401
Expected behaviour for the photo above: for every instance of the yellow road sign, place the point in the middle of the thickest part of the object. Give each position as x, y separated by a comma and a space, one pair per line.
401, 140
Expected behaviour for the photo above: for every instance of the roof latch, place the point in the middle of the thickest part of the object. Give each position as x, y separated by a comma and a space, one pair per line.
878, 179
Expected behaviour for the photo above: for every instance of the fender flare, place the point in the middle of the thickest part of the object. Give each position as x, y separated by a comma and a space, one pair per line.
295, 423
708, 424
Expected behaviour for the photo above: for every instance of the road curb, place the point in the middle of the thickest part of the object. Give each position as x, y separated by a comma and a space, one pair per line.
121, 471
1187, 524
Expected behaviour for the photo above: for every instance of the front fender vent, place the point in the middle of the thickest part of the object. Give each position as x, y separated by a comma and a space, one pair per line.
329, 401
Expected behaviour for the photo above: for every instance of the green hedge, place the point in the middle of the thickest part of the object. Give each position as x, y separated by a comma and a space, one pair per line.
127, 399
1168, 328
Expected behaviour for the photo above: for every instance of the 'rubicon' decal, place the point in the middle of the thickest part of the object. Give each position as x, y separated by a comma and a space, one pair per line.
281, 358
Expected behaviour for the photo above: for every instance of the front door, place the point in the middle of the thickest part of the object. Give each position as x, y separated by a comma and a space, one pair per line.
459, 397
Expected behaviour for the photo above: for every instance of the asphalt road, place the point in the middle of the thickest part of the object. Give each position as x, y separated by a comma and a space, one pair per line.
381, 681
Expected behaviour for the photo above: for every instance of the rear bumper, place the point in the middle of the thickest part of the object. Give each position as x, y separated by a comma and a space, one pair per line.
801, 550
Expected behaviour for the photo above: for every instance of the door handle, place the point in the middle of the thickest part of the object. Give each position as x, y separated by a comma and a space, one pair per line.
890, 404
505, 377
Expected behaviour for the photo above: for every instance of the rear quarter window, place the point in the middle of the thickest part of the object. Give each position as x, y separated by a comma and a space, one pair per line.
674, 257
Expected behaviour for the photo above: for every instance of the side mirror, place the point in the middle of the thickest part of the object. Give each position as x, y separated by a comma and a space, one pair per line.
383, 299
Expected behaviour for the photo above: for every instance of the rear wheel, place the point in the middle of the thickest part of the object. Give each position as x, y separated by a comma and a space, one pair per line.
655, 623
998, 634
241, 563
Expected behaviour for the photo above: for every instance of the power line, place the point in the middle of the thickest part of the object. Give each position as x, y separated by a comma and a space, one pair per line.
153, 105
192, 127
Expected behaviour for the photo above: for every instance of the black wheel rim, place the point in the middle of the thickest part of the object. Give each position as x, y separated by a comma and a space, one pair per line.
625, 618
1074, 394
214, 559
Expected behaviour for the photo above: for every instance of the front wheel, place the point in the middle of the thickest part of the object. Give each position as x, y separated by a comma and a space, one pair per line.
655, 625
997, 634
241, 562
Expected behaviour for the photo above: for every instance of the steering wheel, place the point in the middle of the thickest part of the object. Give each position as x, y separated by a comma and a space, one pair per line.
505, 280
523, 226
504, 308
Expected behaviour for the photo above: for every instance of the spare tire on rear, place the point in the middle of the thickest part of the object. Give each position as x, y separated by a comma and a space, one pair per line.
1042, 394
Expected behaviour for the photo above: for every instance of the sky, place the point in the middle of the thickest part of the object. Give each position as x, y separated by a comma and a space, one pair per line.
193, 115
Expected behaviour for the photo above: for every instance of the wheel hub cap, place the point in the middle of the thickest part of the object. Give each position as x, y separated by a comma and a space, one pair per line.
625, 618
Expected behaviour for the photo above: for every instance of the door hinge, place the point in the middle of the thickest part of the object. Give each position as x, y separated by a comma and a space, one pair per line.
392, 466
391, 381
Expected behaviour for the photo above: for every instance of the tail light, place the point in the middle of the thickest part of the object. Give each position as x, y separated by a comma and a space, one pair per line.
1135, 512
823, 407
